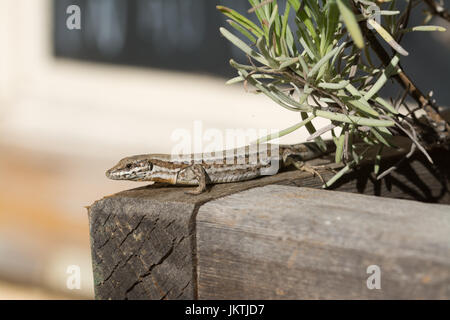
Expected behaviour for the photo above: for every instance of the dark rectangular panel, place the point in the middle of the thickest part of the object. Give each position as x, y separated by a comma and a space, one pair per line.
170, 34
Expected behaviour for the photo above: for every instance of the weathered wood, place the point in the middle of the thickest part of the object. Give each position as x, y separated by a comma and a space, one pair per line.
141, 249
142, 240
280, 242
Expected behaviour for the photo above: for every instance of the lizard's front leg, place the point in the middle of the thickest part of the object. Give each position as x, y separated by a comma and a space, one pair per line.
198, 173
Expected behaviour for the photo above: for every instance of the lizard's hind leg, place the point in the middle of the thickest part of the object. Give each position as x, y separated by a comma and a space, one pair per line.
302, 166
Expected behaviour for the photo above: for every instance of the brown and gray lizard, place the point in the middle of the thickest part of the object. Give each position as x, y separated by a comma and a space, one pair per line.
217, 167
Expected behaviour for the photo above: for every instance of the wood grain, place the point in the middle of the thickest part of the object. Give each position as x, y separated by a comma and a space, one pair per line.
280, 242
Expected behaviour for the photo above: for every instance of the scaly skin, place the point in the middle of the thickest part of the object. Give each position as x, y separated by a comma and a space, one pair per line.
218, 167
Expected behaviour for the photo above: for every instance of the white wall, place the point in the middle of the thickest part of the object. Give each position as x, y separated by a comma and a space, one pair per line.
104, 110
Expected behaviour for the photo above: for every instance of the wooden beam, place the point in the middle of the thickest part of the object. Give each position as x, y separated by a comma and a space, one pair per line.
280, 242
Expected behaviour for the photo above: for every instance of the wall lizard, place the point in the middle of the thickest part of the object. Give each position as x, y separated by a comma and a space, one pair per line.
217, 167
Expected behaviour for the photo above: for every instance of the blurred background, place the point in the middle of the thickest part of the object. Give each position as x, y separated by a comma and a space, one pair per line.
73, 102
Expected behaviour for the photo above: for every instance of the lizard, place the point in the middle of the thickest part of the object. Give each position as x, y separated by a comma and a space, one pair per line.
219, 166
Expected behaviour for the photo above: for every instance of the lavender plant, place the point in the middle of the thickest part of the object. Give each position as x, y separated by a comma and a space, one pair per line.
323, 66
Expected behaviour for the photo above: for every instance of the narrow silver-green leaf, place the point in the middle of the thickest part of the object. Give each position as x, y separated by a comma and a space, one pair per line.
350, 21
340, 148
286, 131
361, 121
239, 28
424, 28
321, 62
251, 26
362, 102
386, 105
390, 70
334, 86
338, 175
243, 46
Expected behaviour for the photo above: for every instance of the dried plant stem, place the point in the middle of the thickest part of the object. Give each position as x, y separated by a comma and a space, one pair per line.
403, 79
437, 10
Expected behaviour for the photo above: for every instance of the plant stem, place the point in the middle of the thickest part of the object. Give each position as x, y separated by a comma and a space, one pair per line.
437, 10
406, 82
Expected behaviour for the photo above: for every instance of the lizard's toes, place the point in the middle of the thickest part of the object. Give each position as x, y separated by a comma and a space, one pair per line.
195, 192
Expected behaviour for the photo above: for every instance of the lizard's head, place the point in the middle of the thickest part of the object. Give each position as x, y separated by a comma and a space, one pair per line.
131, 168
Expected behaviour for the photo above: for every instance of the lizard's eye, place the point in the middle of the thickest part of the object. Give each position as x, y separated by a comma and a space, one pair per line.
128, 166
